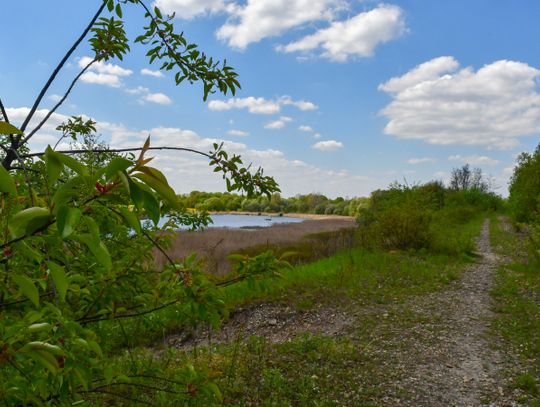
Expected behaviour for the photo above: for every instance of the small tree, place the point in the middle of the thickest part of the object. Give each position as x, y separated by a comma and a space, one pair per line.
463, 179
78, 229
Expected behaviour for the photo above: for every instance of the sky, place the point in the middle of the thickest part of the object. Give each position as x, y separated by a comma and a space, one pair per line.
339, 97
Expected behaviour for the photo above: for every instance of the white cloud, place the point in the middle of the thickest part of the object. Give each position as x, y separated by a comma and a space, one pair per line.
300, 104
55, 98
474, 159
102, 73
101, 79
305, 128
328, 145
190, 8
237, 133
441, 104
423, 160
278, 124
259, 105
187, 172
138, 90
317, 135
254, 105
159, 98
149, 72
259, 19
357, 36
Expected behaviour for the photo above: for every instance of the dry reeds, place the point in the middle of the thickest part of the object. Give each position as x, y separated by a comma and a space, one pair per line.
215, 244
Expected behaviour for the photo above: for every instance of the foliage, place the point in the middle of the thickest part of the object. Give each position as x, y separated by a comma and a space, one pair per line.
517, 289
524, 199
464, 178
275, 203
422, 217
78, 230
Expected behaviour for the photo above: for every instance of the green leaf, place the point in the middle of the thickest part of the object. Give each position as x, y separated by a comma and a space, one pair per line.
116, 165
59, 278
162, 188
72, 163
53, 164
67, 220
136, 194
119, 10
6, 182
132, 219
43, 346
151, 205
46, 360
98, 249
6, 128
29, 220
39, 327
28, 288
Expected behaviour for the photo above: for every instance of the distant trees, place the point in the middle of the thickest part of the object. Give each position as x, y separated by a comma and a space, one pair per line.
464, 178
275, 203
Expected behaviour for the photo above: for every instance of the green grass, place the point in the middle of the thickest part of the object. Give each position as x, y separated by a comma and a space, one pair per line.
317, 370
517, 292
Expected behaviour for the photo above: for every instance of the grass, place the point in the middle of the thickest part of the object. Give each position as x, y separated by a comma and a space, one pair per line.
314, 370
517, 291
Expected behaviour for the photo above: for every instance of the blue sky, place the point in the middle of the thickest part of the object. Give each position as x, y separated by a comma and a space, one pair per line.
338, 96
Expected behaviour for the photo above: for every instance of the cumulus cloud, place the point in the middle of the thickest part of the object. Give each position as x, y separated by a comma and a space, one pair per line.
259, 105
254, 105
357, 36
103, 73
300, 104
307, 129
158, 98
190, 8
237, 133
187, 172
415, 161
474, 159
278, 124
149, 72
328, 145
258, 19
440, 103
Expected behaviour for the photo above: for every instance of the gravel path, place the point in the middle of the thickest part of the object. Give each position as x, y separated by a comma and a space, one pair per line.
454, 361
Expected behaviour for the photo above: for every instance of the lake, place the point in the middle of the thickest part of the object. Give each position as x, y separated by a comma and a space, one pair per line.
249, 221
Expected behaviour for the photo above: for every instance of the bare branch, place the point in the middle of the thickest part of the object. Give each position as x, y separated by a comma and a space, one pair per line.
119, 150
60, 66
60, 102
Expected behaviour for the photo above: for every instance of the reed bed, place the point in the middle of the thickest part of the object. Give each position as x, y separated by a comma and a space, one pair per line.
312, 238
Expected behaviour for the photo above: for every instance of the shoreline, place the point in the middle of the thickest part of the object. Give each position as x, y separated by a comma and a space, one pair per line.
310, 216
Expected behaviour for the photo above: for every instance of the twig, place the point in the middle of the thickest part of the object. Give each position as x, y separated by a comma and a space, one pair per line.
119, 150
60, 66
60, 102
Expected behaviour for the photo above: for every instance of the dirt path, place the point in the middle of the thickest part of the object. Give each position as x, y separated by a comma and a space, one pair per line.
445, 357
453, 360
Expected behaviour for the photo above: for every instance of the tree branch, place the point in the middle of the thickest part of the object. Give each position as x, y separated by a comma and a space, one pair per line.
60, 102
119, 150
60, 66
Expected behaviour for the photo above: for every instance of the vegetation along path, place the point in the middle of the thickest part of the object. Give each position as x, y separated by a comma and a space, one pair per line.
436, 349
